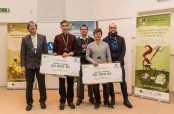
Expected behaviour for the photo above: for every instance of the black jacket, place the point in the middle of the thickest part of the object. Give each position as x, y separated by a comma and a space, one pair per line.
120, 53
80, 52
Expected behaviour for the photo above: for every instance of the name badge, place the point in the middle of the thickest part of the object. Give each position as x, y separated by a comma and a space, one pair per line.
99, 57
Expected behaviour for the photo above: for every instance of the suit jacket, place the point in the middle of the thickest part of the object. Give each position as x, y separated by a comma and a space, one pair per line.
30, 59
120, 53
82, 56
59, 45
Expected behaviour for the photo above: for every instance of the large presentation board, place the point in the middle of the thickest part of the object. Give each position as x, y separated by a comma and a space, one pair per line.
124, 30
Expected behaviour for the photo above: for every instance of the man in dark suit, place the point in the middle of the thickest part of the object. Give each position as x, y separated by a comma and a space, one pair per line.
32, 47
82, 43
118, 50
65, 45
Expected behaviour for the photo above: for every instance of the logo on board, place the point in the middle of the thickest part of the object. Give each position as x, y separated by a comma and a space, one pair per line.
12, 27
71, 26
142, 21
50, 45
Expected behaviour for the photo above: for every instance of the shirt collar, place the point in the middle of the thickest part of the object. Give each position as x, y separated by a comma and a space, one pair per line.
82, 38
33, 36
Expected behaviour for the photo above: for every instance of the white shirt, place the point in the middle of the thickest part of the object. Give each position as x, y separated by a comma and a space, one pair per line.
34, 45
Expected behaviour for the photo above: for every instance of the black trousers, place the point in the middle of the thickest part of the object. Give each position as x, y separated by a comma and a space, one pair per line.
69, 95
105, 93
30, 75
80, 89
122, 84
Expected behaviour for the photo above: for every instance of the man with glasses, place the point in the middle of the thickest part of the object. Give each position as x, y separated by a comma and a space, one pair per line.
32, 47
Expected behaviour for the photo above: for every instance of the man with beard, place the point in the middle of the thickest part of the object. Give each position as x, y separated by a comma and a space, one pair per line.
82, 43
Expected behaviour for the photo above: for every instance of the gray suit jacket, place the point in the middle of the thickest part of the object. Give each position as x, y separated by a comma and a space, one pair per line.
30, 59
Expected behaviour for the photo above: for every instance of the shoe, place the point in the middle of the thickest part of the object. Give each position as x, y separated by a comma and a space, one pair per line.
43, 105
112, 100
127, 103
62, 106
72, 106
107, 104
92, 101
96, 106
29, 107
78, 102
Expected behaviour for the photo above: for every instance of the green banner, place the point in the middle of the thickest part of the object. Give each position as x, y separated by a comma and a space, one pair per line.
15, 78
152, 56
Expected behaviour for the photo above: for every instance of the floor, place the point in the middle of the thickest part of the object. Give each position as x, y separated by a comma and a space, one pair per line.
13, 102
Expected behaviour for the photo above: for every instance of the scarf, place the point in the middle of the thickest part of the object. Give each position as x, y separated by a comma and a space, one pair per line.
112, 37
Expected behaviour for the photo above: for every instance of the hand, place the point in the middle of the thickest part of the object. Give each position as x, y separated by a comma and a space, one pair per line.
23, 70
95, 64
65, 54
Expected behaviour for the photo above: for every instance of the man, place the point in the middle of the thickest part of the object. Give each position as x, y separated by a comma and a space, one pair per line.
117, 49
82, 43
32, 47
98, 52
65, 45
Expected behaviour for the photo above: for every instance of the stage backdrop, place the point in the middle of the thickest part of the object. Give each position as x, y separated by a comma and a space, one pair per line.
15, 78
153, 56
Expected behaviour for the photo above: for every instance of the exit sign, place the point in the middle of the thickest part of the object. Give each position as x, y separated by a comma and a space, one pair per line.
4, 9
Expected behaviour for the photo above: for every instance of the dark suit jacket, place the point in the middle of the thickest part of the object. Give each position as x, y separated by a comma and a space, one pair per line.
30, 59
82, 56
120, 53
59, 45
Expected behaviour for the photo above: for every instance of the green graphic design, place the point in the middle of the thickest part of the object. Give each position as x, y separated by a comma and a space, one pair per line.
153, 53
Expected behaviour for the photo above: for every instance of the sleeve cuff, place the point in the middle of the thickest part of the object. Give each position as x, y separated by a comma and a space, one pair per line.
71, 53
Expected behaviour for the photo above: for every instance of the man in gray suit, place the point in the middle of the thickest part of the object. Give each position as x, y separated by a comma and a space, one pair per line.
32, 46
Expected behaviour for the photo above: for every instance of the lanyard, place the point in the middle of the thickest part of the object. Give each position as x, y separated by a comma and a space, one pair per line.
65, 42
98, 49
86, 42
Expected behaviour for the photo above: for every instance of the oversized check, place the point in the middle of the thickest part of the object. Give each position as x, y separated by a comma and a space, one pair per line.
104, 73
57, 65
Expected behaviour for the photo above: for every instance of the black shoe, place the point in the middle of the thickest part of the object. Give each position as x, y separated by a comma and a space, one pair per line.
43, 105
107, 104
29, 107
92, 101
72, 106
62, 106
112, 100
127, 103
78, 102
96, 106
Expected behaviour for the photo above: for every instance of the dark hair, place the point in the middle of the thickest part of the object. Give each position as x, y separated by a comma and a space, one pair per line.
84, 25
64, 21
31, 22
97, 30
